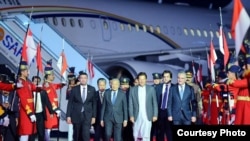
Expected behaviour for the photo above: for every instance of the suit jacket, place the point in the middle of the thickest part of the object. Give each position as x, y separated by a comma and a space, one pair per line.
45, 103
118, 111
99, 106
75, 105
13, 100
151, 102
159, 93
177, 106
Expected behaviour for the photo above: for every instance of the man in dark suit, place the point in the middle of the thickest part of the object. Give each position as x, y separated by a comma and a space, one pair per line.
127, 133
9, 101
99, 130
181, 102
114, 112
162, 92
157, 80
143, 108
81, 108
42, 101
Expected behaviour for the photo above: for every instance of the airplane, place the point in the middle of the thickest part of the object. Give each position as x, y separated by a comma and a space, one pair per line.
126, 37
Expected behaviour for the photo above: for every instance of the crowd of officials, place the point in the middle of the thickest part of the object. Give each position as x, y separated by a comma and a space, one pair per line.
124, 111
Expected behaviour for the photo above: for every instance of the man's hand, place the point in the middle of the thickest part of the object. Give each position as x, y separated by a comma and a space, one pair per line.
6, 121
170, 118
69, 120
193, 119
16, 121
154, 119
230, 81
132, 119
92, 120
64, 82
33, 118
19, 85
58, 113
6, 105
125, 123
102, 123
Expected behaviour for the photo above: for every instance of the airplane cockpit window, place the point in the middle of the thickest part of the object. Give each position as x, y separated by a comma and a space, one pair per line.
137, 27
129, 27
122, 26
151, 29
217, 34
158, 29
211, 34
198, 32
55, 22
185, 31
105, 24
63, 22
80, 23
144, 28
205, 33
192, 32
72, 22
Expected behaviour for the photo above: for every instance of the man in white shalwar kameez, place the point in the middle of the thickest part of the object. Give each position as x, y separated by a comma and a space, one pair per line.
143, 108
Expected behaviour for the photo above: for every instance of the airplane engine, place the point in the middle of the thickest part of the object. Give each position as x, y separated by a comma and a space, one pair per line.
131, 68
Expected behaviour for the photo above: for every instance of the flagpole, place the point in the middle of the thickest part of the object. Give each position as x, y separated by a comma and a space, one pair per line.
210, 92
193, 67
221, 44
61, 75
21, 58
247, 45
60, 95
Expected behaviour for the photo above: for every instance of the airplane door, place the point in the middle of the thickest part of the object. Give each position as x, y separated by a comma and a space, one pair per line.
106, 28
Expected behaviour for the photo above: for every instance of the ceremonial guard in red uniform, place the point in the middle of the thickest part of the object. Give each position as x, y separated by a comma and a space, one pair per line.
205, 93
27, 118
229, 95
6, 86
50, 87
242, 116
216, 101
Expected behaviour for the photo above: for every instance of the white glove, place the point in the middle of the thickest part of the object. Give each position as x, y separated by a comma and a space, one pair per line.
92, 130
64, 82
58, 113
6, 121
33, 118
19, 85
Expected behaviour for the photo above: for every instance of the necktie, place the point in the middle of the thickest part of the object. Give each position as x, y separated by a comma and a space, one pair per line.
181, 91
5, 99
113, 97
101, 96
83, 94
165, 98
